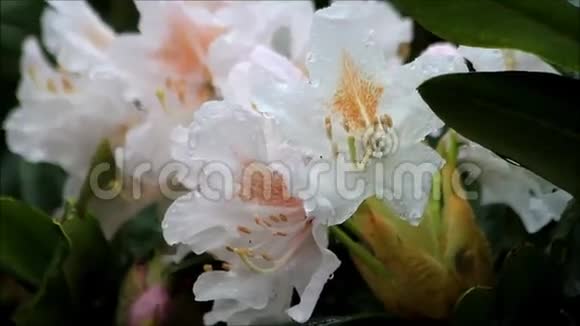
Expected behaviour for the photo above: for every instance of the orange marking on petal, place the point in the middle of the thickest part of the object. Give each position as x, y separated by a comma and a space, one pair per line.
266, 187
185, 47
357, 97
281, 234
67, 85
244, 229
284, 218
274, 219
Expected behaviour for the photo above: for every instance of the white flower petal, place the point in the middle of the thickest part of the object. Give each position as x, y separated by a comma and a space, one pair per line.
504, 59
74, 33
310, 293
534, 199
411, 116
248, 288
339, 31
407, 179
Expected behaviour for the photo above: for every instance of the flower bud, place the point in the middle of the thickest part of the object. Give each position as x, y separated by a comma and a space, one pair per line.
427, 266
144, 298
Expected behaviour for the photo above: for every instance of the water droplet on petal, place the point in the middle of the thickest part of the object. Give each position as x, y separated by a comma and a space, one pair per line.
310, 58
370, 39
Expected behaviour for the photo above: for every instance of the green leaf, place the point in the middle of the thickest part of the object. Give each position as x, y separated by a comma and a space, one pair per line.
139, 237
532, 118
81, 283
548, 28
52, 303
475, 307
29, 241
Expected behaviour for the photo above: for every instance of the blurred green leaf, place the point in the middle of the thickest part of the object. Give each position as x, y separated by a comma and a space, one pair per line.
82, 281
22, 13
41, 185
139, 237
52, 303
475, 307
9, 178
29, 241
548, 28
19, 19
532, 118
37, 184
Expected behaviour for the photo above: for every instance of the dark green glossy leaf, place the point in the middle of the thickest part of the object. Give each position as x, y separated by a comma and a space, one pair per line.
529, 287
475, 307
548, 28
565, 247
532, 118
28, 241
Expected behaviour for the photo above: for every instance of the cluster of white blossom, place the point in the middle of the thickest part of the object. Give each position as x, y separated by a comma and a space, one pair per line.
293, 95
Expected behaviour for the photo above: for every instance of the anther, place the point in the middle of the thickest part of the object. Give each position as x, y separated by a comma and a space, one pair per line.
266, 257
67, 85
51, 86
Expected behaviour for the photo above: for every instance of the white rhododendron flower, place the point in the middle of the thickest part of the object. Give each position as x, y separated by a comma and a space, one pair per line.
63, 116
535, 200
184, 48
391, 32
484, 59
76, 36
357, 105
269, 240
65, 112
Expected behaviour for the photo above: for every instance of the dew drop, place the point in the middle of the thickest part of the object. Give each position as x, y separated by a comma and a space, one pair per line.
310, 58
331, 276
370, 39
